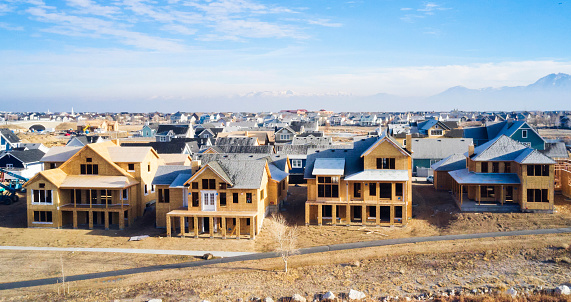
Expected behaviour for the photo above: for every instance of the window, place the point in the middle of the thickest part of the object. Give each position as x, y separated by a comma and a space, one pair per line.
222, 186
42, 217
372, 189
131, 168
404, 142
283, 185
262, 196
399, 190
53, 165
284, 137
125, 194
357, 190
164, 195
149, 168
436, 132
328, 187
235, 197
93, 196
209, 184
537, 170
248, 197
484, 167
42, 185
523, 133
296, 163
89, 160
43, 197
152, 188
146, 190
89, 169
385, 163
537, 195
386, 190
507, 167
105, 197
222, 199
162, 139
194, 185
9, 166
495, 167
487, 192
195, 200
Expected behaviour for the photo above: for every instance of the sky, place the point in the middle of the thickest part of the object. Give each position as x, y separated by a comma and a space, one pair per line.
213, 55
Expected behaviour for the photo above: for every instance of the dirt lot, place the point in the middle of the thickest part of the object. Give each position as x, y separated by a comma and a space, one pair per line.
49, 140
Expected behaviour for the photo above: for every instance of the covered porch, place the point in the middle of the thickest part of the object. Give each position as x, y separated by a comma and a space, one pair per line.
343, 213
486, 192
219, 224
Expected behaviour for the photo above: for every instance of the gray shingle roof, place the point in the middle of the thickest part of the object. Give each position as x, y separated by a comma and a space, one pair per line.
451, 163
27, 156
532, 156
308, 140
60, 154
236, 141
9, 136
244, 174
266, 149
555, 150
167, 174
501, 148
439, 148
466, 177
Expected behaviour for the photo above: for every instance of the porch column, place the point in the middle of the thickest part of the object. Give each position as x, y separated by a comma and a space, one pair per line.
479, 195
122, 220
319, 214
238, 227
348, 214
168, 226
461, 195
90, 220
89, 198
378, 217
502, 196
74, 219
333, 214
223, 227
195, 226
182, 226
392, 215
211, 226
106, 200
74, 198
307, 207
363, 214
252, 228
106, 219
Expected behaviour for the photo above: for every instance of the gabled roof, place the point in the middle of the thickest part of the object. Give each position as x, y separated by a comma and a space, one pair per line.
385, 138
451, 163
555, 150
27, 156
236, 141
172, 147
308, 140
130, 154
439, 148
532, 156
9, 136
240, 174
60, 154
265, 149
276, 173
167, 174
501, 148
288, 128
178, 129
55, 176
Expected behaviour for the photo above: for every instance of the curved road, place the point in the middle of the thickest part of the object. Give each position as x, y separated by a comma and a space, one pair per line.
258, 256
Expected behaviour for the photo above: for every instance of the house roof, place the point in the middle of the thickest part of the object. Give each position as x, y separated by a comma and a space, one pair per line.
555, 150
97, 182
60, 154
9, 136
128, 154
165, 175
276, 173
386, 138
26, 156
532, 156
439, 148
172, 147
178, 129
180, 180
175, 159
466, 177
329, 166
266, 149
501, 148
450, 163
308, 140
240, 174
236, 141
379, 175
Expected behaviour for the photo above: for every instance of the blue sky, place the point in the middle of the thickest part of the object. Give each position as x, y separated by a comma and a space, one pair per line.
103, 55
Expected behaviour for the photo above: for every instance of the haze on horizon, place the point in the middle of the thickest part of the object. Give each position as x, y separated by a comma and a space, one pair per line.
208, 55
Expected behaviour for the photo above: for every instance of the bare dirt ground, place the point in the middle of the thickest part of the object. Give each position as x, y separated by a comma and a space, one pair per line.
49, 140
336, 132
564, 134
525, 262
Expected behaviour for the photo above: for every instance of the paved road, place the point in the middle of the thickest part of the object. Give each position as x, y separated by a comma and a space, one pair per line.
258, 256
126, 251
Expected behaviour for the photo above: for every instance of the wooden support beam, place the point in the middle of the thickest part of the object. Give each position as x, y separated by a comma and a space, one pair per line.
307, 207
91, 220
74, 219
252, 228
169, 230
461, 195
479, 195
122, 220
224, 228
502, 195
106, 219
378, 216
319, 214
392, 215
238, 228
363, 214
211, 226
333, 214
195, 220
348, 214
182, 226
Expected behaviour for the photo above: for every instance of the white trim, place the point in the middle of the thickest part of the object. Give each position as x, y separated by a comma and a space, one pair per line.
523, 133
145, 190
296, 163
34, 222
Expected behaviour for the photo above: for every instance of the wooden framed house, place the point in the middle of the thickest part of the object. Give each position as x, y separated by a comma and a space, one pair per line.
101, 185
505, 175
370, 184
228, 197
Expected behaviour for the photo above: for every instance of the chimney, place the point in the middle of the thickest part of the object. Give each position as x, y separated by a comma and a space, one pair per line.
408, 141
471, 150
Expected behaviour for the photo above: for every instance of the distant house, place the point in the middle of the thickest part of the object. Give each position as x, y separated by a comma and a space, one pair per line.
432, 128
99, 126
149, 130
166, 133
442, 179
25, 163
285, 135
56, 156
8, 140
83, 140
178, 117
427, 151
518, 130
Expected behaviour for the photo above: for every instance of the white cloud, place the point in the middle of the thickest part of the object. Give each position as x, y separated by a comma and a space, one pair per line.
7, 26
324, 22
406, 8
180, 29
89, 7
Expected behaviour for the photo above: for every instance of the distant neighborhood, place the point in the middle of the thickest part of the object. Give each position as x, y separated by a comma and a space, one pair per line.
220, 174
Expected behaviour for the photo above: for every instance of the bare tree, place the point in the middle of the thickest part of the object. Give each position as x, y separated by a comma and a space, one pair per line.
285, 238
